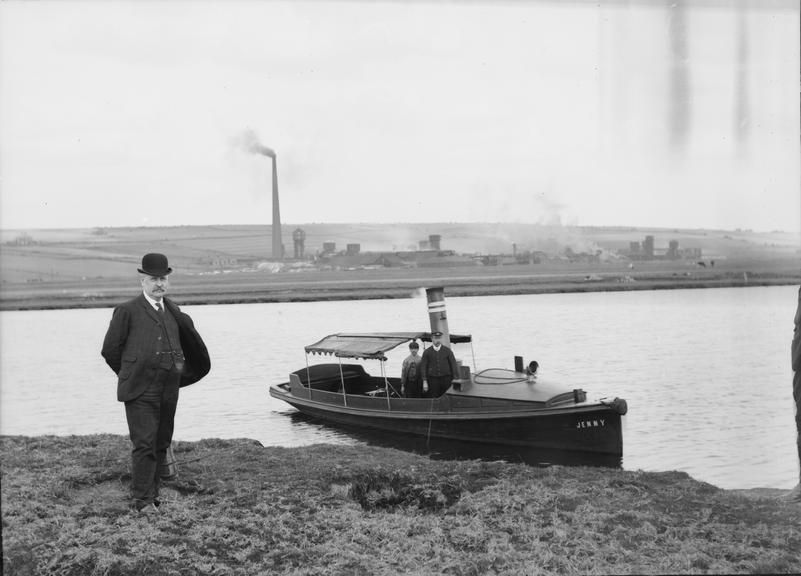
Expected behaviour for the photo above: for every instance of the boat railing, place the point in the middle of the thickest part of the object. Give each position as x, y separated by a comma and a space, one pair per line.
573, 397
330, 377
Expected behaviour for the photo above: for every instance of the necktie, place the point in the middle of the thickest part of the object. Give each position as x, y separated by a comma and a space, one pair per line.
159, 308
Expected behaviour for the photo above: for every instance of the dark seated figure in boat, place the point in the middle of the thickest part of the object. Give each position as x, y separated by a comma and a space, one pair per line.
331, 377
531, 371
411, 376
438, 367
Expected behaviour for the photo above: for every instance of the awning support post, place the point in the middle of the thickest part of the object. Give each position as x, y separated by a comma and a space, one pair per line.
386, 383
308, 376
342, 382
473, 353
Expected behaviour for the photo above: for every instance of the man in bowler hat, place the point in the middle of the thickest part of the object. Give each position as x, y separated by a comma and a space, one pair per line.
438, 367
154, 349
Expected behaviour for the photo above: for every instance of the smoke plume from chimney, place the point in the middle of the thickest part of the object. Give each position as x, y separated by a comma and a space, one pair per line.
250, 142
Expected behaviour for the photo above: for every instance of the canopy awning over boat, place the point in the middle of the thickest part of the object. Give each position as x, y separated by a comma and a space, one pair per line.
371, 345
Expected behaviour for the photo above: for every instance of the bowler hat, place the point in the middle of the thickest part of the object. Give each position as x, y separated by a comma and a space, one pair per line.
437, 333
155, 264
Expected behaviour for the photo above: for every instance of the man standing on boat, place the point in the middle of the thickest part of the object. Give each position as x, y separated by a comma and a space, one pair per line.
411, 377
153, 349
438, 367
795, 353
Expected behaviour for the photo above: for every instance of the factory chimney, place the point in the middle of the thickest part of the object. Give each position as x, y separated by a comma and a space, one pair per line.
299, 238
252, 143
278, 248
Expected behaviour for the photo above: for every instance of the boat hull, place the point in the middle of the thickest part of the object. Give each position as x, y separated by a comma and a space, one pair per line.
585, 427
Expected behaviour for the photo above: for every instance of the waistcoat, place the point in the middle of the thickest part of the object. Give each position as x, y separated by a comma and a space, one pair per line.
439, 365
170, 341
413, 375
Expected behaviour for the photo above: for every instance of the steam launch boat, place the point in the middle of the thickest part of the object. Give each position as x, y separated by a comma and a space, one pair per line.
510, 407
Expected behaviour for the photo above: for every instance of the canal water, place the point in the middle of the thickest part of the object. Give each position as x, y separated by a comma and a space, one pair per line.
706, 372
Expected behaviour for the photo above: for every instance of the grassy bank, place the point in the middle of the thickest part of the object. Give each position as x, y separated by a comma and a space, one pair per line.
239, 508
250, 287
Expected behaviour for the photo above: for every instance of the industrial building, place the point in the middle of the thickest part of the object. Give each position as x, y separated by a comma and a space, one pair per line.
645, 250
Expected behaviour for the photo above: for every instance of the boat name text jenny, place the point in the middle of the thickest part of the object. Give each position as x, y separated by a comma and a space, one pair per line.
590, 424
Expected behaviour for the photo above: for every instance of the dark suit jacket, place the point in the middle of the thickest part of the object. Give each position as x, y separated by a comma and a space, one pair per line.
795, 347
442, 363
132, 344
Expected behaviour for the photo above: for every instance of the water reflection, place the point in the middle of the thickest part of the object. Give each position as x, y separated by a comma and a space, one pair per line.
440, 449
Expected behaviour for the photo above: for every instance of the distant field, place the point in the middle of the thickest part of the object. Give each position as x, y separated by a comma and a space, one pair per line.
66, 268
262, 286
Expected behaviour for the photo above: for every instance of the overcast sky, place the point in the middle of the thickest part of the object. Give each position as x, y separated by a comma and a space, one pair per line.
661, 113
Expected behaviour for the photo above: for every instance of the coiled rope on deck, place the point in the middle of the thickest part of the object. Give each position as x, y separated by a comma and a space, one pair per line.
508, 376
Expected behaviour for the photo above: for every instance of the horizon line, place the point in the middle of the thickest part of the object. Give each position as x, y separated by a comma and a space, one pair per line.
445, 223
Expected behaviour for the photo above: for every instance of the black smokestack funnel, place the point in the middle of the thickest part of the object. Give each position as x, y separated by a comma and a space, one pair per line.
436, 313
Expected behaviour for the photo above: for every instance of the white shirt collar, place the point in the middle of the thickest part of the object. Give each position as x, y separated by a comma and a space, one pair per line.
153, 302
435, 347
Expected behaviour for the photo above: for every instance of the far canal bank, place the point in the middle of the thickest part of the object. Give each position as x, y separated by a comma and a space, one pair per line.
242, 288
240, 508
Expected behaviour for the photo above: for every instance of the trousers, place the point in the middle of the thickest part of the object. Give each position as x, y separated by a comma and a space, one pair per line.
151, 419
797, 398
437, 385
414, 388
